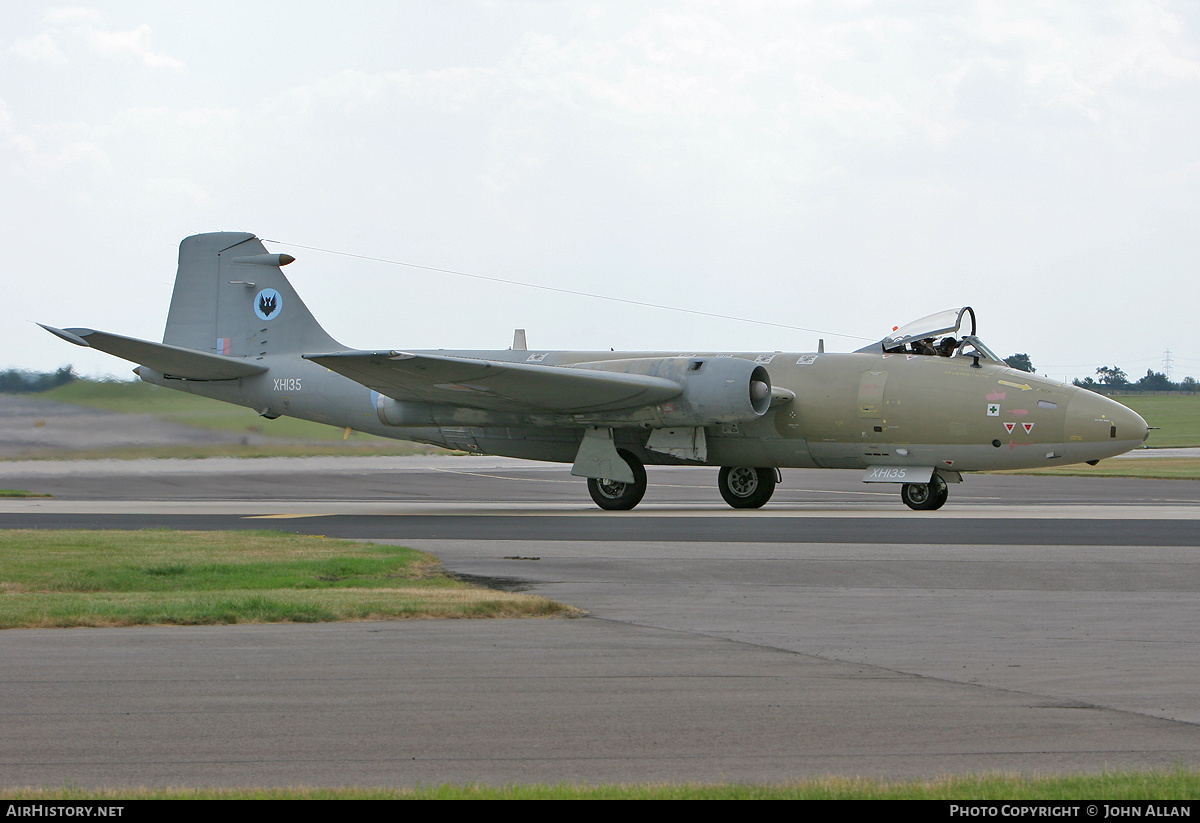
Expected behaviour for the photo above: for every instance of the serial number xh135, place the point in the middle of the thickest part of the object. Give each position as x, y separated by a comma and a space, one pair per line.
918, 408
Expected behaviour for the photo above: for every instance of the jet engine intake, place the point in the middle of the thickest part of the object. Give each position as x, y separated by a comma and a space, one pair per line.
719, 390
715, 390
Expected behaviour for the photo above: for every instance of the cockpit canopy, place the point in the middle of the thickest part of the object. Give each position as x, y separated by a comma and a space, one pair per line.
936, 336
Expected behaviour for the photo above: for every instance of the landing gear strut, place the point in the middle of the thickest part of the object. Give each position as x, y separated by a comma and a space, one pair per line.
744, 487
925, 496
614, 495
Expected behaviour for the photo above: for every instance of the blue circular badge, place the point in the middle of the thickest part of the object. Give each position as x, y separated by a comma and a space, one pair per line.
268, 303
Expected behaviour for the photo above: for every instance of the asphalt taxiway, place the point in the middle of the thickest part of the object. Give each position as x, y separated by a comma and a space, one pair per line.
1034, 625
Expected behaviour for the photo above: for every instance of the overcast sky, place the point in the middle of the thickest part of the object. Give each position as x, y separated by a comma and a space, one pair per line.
841, 167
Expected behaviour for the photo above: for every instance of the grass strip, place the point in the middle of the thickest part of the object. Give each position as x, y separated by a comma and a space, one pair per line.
1162, 468
156, 577
1177, 417
1161, 785
136, 397
188, 451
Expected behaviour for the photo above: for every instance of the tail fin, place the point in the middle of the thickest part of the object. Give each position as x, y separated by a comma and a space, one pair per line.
231, 298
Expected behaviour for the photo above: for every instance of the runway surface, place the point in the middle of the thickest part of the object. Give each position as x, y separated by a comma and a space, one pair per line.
1033, 625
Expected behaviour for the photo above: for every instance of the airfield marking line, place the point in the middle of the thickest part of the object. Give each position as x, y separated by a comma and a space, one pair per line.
573, 480
798, 510
281, 516
501, 477
781, 507
835, 491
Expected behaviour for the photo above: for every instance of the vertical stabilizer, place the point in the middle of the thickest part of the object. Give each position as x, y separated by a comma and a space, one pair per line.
232, 298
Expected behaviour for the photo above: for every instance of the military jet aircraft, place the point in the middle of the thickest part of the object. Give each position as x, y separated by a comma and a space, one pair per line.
920, 407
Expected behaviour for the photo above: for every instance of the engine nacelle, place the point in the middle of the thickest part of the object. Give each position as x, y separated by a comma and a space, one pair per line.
719, 390
416, 414
715, 390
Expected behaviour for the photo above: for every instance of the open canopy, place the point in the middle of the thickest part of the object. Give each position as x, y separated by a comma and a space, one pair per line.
936, 335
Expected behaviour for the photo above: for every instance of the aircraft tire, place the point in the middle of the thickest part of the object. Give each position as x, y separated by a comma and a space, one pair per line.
925, 497
943, 494
616, 496
743, 487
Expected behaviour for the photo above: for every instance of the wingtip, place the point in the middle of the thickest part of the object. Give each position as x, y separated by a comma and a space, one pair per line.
69, 336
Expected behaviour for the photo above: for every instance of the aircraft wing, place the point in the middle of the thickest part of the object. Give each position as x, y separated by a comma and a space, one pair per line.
170, 360
497, 385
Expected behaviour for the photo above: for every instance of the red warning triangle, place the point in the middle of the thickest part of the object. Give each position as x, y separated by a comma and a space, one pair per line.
1009, 427
1028, 427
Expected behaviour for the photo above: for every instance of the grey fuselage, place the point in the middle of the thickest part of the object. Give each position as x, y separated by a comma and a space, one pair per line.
850, 411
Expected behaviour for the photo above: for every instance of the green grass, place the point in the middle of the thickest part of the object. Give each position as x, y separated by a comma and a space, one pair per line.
282, 448
112, 578
21, 493
137, 397
1178, 784
1162, 468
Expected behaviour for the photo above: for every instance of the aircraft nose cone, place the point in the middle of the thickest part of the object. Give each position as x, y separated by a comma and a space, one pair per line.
1131, 427
1103, 426
1133, 423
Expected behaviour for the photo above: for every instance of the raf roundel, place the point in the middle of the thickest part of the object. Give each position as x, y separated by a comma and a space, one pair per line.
268, 303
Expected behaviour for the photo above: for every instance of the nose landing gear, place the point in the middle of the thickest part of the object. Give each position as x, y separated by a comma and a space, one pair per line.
925, 496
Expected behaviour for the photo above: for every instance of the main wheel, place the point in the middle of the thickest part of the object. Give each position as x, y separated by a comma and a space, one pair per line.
615, 495
746, 488
925, 496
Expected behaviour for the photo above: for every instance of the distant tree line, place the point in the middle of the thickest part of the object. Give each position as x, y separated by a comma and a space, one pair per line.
1111, 378
19, 381
1020, 362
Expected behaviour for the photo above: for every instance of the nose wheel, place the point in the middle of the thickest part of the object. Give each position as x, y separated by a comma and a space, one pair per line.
615, 495
925, 496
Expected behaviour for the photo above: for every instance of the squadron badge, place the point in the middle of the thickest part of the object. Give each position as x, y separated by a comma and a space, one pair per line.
267, 304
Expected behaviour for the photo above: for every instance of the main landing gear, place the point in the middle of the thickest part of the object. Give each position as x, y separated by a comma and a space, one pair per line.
744, 487
614, 495
925, 496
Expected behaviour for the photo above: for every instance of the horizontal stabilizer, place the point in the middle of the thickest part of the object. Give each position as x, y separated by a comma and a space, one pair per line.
172, 361
497, 385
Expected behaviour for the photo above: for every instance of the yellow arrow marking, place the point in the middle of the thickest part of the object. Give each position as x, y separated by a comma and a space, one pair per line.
1022, 387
